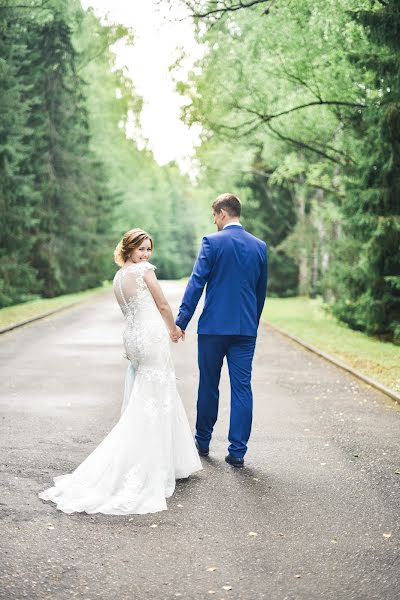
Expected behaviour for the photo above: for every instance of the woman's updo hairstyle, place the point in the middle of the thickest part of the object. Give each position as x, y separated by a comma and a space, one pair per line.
132, 239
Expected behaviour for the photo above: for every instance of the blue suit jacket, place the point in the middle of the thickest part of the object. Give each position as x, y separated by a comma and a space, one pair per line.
233, 264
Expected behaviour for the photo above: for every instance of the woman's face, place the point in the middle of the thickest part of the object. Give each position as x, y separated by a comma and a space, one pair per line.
142, 253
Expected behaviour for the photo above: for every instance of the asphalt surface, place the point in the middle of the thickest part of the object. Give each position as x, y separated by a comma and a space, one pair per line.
314, 515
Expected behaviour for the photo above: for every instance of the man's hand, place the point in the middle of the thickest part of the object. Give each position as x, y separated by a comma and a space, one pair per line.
176, 334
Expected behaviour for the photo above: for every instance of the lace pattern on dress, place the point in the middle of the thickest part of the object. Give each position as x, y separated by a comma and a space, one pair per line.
146, 340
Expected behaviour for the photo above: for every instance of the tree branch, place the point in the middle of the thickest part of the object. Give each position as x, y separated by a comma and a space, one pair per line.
292, 77
304, 145
266, 118
235, 131
317, 186
220, 11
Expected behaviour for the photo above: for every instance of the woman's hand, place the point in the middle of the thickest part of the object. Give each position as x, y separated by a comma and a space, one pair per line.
176, 333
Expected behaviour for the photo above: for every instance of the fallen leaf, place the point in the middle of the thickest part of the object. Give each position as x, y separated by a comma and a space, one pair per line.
253, 533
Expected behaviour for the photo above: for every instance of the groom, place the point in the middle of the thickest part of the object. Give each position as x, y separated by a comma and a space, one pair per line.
233, 265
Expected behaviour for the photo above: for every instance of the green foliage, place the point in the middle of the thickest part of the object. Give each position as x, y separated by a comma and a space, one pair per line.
71, 181
259, 94
366, 283
270, 214
18, 278
54, 199
72, 209
307, 98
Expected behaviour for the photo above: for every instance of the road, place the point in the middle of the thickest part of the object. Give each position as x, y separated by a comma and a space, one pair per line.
314, 515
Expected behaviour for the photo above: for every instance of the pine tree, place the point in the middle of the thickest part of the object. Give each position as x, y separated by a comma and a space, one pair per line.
18, 278
270, 214
367, 270
67, 240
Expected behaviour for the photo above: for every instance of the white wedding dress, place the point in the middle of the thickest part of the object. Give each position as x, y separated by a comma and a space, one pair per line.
133, 470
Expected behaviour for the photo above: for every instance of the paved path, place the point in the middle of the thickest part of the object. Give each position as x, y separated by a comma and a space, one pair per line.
320, 490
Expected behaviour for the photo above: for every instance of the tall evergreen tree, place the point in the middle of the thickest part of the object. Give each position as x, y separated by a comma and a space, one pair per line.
366, 274
18, 278
64, 170
55, 202
270, 213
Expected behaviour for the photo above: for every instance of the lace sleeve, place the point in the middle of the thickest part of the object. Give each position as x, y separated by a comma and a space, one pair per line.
142, 267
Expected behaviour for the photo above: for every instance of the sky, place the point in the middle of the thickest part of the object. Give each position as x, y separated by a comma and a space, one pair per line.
158, 33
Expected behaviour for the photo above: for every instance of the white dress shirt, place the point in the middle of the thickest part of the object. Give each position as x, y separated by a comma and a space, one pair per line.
232, 225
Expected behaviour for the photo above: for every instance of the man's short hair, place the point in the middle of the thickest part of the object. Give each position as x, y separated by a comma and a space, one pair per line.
228, 202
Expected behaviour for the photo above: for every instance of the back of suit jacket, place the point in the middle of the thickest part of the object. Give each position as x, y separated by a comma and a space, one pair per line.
233, 264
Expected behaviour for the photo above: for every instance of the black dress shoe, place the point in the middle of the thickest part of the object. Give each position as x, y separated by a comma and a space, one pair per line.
234, 462
202, 451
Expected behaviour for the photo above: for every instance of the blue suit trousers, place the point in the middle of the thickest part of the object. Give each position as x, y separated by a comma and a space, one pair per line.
239, 352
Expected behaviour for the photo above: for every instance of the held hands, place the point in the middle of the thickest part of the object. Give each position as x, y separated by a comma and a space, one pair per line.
176, 334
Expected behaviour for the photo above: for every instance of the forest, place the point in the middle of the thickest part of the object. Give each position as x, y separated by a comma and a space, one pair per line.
299, 107
71, 182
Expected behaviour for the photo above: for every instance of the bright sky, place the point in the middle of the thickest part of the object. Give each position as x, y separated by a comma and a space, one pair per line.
158, 33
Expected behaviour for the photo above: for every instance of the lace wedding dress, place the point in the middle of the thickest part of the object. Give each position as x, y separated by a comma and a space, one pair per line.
133, 470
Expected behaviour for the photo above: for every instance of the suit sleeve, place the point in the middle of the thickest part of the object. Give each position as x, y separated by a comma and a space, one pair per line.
196, 283
262, 285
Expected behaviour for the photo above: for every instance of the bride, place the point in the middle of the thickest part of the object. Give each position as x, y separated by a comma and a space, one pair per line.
134, 469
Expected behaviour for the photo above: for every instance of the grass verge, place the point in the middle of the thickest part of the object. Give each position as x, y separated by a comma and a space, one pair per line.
307, 319
36, 308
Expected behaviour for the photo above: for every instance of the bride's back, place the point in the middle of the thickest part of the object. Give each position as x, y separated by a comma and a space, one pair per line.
130, 288
146, 338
